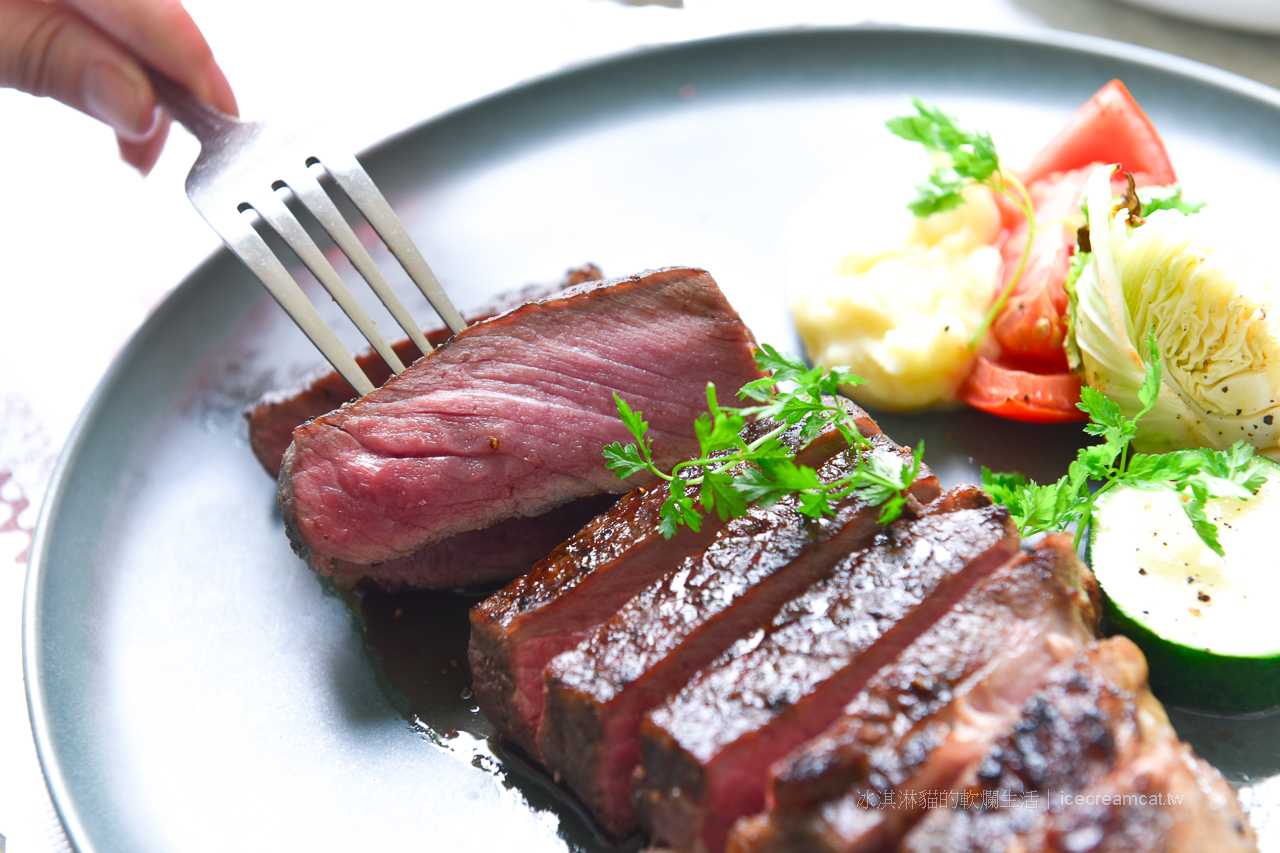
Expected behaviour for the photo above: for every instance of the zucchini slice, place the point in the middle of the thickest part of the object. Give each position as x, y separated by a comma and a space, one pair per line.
1209, 626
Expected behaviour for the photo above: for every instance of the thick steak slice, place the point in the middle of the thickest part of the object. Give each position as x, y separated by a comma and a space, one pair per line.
596, 694
498, 553
707, 750
926, 719
556, 605
1091, 764
509, 417
277, 414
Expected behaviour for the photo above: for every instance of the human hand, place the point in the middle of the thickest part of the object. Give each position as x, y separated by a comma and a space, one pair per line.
86, 54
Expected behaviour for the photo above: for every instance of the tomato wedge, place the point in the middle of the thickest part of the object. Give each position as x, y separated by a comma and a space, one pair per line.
1029, 381
1021, 395
1109, 128
1033, 324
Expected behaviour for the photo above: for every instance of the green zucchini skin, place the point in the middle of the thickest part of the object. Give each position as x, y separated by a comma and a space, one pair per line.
1213, 644
1193, 678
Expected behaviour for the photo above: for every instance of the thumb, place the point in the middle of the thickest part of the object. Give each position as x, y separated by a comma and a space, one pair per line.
51, 51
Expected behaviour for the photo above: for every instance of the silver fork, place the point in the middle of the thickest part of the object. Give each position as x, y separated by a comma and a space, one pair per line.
244, 166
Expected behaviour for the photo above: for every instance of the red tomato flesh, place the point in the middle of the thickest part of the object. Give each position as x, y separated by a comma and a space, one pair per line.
1033, 324
1031, 328
1046, 398
1109, 128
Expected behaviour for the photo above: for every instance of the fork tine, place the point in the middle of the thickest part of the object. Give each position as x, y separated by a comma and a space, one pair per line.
250, 248
235, 156
316, 200
279, 217
360, 188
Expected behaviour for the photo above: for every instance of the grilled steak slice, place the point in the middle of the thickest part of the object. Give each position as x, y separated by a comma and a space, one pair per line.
476, 557
277, 414
923, 721
509, 417
557, 604
706, 750
1091, 765
597, 693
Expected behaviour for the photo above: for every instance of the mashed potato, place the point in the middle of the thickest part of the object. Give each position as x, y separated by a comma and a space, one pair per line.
892, 297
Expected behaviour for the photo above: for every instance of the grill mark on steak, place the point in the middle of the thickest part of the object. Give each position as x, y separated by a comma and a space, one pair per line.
1046, 591
924, 720
707, 749
1072, 730
503, 420
596, 693
584, 582
1093, 731
274, 417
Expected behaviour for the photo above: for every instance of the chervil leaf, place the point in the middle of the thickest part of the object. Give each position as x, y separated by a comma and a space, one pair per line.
1194, 508
624, 461
1004, 487
970, 159
943, 192
1104, 413
730, 473
1241, 464
678, 509
788, 476
973, 155
1197, 475
1148, 469
1166, 198
719, 492
783, 366
718, 429
815, 504
1032, 506
774, 479
1095, 461
1039, 504
633, 421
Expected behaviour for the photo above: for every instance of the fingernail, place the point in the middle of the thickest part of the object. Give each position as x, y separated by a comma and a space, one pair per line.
119, 96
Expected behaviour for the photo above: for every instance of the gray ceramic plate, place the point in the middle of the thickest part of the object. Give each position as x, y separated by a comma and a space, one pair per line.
194, 687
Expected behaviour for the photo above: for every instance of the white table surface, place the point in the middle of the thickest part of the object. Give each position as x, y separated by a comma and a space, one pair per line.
89, 247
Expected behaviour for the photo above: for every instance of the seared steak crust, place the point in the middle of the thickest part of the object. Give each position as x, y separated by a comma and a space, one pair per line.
1090, 764
1045, 592
585, 581
508, 418
596, 693
925, 720
707, 749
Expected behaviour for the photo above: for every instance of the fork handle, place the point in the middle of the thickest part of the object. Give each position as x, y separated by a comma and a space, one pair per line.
205, 122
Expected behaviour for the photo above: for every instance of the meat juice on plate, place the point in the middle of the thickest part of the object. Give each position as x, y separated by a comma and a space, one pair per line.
417, 644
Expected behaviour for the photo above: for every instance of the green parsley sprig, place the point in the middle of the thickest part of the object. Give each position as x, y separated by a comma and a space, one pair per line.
1168, 197
1196, 474
730, 473
971, 159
